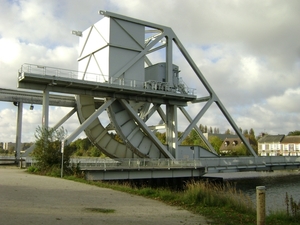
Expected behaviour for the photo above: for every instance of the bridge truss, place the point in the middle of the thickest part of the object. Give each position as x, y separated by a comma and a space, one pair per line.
133, 68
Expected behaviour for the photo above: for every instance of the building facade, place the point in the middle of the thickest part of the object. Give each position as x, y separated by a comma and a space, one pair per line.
279, 145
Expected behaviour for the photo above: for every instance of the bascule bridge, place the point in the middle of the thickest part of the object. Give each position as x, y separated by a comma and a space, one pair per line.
130, 70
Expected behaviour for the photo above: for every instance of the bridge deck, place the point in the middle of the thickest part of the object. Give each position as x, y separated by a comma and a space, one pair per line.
124, 169
68, 81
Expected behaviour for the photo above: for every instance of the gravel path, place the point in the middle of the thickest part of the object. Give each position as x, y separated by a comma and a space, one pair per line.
32, 199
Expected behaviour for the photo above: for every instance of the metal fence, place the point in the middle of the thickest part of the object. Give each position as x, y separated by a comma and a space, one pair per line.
211, 164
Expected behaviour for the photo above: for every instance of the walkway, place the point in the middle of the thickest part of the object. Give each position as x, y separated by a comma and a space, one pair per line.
32, 199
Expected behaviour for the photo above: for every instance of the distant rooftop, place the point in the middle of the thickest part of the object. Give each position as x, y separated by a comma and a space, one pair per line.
291, 139
271, 138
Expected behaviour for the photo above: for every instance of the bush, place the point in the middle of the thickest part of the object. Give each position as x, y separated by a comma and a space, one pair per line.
48, 154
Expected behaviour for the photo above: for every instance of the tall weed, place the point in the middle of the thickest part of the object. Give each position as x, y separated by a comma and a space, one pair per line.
208, 194
292, 206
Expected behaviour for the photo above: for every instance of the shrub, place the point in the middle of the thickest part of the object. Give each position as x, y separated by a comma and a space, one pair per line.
47, 151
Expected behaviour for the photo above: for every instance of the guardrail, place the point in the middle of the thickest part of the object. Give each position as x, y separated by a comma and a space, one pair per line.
101, 78
211, 164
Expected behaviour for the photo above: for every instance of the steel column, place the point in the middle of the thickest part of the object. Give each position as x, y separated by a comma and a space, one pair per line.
19, 131
45, 113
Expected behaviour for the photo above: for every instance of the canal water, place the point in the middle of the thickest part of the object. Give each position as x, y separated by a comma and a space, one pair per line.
277, 184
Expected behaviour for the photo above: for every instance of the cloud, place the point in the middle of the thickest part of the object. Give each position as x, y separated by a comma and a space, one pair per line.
248, 51
287, 102
32, 119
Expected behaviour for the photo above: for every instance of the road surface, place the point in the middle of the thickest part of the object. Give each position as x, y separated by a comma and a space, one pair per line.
33, 199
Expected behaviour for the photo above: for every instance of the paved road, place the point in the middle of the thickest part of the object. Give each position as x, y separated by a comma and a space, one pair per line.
32, 199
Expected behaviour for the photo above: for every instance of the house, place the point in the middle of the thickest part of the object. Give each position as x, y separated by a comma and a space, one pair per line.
276, 145
270, 145
291, 146
229, 144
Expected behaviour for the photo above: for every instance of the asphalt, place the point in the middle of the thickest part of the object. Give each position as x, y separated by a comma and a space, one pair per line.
33, 199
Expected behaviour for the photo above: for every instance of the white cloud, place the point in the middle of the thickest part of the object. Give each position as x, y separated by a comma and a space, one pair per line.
287, 102
10, 50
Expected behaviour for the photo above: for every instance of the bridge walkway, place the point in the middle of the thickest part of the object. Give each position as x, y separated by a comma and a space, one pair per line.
124, 169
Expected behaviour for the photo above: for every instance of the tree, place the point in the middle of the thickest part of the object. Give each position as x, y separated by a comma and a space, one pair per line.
227, 131
161, 137
245, 133
47, 150
239, 150
294, 133
251, 133
252, 139
85, 144
201, 128
216, 143
95, 152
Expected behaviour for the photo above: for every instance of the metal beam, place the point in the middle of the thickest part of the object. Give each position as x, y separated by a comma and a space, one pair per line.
185, 113
146, 129
45, 111
19, 131
36, 98
195, 120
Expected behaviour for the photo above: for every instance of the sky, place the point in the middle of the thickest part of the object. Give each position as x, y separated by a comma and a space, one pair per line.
248, 50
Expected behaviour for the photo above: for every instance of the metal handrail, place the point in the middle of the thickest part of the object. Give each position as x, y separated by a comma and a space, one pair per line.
222, 163
87, 76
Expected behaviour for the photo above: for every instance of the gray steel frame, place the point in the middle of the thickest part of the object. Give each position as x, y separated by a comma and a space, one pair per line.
167, 32
171, 100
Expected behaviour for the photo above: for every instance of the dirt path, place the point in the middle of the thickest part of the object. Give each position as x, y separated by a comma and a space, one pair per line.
32, 199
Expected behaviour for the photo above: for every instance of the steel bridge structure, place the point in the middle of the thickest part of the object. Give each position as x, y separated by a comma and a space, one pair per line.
119, 77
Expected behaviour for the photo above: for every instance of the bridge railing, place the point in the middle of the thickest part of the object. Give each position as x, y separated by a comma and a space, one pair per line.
202, 162
94, 77
213, 164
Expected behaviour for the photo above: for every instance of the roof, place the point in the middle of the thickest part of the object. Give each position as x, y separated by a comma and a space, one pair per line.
231, 143
291, 139
271, 138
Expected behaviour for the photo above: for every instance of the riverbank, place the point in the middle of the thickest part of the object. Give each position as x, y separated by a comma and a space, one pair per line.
33, 199
277, 183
